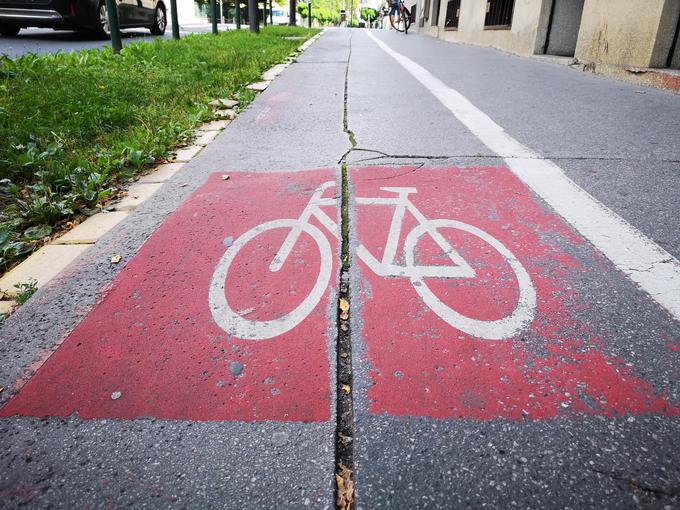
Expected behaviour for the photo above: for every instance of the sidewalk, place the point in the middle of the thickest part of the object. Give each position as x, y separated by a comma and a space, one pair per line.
369, 267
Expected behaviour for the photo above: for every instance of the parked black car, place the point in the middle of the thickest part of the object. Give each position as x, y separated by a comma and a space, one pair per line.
89, 15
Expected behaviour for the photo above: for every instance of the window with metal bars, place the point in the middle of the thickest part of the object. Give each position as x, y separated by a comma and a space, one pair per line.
452, 15
499, 13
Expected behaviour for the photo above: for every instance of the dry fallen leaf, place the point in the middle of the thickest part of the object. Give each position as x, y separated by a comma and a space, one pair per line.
115, 259
225, 177
344, 308
346, 388
343, 479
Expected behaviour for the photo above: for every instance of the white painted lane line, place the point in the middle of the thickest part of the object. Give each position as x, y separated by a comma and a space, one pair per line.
655, 270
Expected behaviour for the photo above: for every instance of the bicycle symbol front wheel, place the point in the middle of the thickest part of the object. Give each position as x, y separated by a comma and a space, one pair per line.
506, 327
232, 322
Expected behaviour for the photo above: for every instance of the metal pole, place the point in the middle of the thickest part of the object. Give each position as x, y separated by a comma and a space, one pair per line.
292, 5
271, 12
254, 16
213, 15
238, 14
112, 13
309, 13
173, 19
264, 12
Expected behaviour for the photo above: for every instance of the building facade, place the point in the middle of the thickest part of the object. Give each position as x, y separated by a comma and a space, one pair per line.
603, 34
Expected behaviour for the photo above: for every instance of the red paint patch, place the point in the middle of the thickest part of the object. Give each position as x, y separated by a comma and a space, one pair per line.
423, 366
153, 338
669, 81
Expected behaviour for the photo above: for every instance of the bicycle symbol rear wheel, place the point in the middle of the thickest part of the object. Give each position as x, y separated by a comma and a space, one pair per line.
232, 322
506, 327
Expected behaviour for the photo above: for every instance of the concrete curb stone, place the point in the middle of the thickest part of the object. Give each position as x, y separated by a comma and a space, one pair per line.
137, 193
92, 228
42, 266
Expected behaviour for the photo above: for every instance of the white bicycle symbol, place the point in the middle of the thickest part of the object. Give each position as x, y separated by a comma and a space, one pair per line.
234, 323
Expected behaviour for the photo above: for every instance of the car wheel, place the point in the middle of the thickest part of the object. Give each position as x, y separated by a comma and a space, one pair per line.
9, 31
102, 28
160, 21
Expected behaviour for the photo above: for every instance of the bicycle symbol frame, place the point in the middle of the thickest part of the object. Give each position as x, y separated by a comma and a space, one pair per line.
234, 323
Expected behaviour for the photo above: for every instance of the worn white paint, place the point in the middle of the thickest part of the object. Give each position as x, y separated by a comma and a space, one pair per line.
506, 327
234, 323
655, 270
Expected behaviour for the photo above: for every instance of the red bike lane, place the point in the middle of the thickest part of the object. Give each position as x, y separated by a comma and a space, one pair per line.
428, 345
469, 307
156, 346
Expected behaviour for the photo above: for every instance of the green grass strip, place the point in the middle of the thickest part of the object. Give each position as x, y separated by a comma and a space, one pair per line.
72, 125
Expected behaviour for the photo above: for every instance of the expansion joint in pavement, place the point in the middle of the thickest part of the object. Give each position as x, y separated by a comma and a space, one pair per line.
345, 118
344, 440
344, 433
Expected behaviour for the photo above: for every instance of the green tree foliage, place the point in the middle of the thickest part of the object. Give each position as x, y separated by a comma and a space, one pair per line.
326, 12
369, 14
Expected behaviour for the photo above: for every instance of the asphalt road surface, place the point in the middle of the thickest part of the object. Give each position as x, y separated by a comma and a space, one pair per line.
513, 285
43, 40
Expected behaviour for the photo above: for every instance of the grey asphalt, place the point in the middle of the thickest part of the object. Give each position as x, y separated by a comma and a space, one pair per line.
619, 144
40, 41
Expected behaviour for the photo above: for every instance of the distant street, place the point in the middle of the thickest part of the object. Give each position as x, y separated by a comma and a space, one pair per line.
46, 40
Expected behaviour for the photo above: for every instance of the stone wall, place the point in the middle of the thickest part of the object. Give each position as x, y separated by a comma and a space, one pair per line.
521, 38
635, 33
627, 32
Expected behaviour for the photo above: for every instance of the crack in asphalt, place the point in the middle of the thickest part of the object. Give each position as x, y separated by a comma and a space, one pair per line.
409, 171
652, 265
385, 155
635, 485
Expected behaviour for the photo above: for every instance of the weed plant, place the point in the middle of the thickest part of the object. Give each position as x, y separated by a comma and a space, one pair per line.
73, 125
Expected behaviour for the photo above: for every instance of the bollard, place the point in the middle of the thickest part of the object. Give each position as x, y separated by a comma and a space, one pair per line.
213, 15
309, 13
173, 18
292, 5
254, 16
238, 14
114, 28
